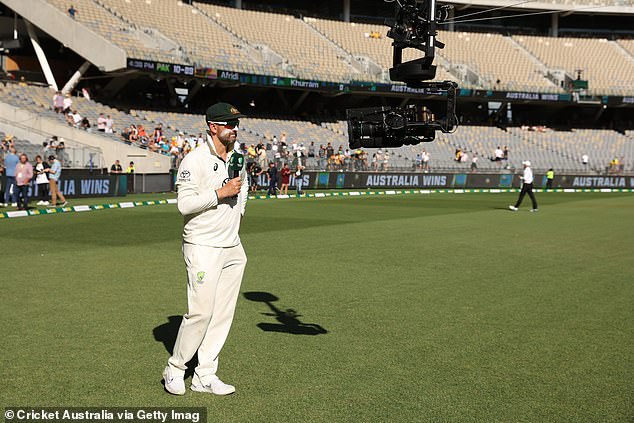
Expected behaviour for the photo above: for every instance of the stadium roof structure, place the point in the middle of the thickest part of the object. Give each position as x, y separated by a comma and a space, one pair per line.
625, 7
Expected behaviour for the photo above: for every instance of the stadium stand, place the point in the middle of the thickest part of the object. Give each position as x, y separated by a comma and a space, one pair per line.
204, 41
119, 31
545, 148
367, 42
39, 100
608, 70
283, 45
307, 53
494, 58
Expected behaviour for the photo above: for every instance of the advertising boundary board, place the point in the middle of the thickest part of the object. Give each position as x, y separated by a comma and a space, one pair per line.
83, 184
372, 180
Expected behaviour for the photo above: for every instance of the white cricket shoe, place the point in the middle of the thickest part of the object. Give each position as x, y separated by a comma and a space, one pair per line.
513, 208
45, 203
40, 203
533, 210
213, 386
14, 204
3, 204
173, 384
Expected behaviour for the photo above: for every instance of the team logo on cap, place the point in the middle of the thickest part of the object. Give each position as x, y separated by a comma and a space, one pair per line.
234, 111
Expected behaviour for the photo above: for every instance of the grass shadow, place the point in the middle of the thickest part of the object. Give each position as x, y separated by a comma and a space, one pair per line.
288, 319
167, 333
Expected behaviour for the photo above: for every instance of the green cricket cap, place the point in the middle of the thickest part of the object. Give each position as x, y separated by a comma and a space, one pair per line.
222, 112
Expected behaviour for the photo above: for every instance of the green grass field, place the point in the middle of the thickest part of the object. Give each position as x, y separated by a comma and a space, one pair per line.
436, 308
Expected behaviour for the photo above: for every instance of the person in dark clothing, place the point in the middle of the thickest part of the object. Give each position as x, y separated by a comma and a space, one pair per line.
116, 168
272, 172
41, 179
254, 171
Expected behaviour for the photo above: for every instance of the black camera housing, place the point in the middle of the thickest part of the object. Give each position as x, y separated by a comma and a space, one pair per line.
414, 27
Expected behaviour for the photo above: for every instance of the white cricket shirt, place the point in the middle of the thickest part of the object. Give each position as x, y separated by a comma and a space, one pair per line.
528, 175
209, 222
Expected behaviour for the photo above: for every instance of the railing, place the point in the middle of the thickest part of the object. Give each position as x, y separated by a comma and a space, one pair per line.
74, 155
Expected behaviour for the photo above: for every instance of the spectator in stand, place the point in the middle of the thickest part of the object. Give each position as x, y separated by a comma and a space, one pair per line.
272, 173
130, 168
418, 162
505, 153
23, 176
286, 176
69, 119
251, 156
584, 159
59, 148
143, 136
426, 157
498, 155
311, 153
72, 12
133, 136
101, 123
164, 147
323, 157
84, 124
10, 189
76, 118
116, 168
386, 161
474, 162
125, 135
109, 125
330, 151
58, 102
379, 160
621, 167
157, 135
41, 179
54, 174
262, 159
67, 104
458, 154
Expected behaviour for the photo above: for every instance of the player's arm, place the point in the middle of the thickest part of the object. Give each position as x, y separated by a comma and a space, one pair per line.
193, 198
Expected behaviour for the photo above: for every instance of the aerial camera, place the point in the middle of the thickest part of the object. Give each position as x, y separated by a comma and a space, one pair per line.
414, 27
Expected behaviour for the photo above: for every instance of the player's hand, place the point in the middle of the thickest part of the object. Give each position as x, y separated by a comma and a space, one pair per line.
231, 189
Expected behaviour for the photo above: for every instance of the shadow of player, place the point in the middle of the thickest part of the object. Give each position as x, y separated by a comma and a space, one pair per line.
166, 333
288, 319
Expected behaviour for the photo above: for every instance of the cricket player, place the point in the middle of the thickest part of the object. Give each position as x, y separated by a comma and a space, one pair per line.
212, 202
527, 188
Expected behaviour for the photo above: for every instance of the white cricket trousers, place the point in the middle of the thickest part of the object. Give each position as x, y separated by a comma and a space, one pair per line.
213, 284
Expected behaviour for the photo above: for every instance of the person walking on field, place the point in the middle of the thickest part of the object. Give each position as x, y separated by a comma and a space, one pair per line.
527, 188
212, 198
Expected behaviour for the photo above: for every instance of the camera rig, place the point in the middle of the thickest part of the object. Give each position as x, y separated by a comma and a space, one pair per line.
414, 27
